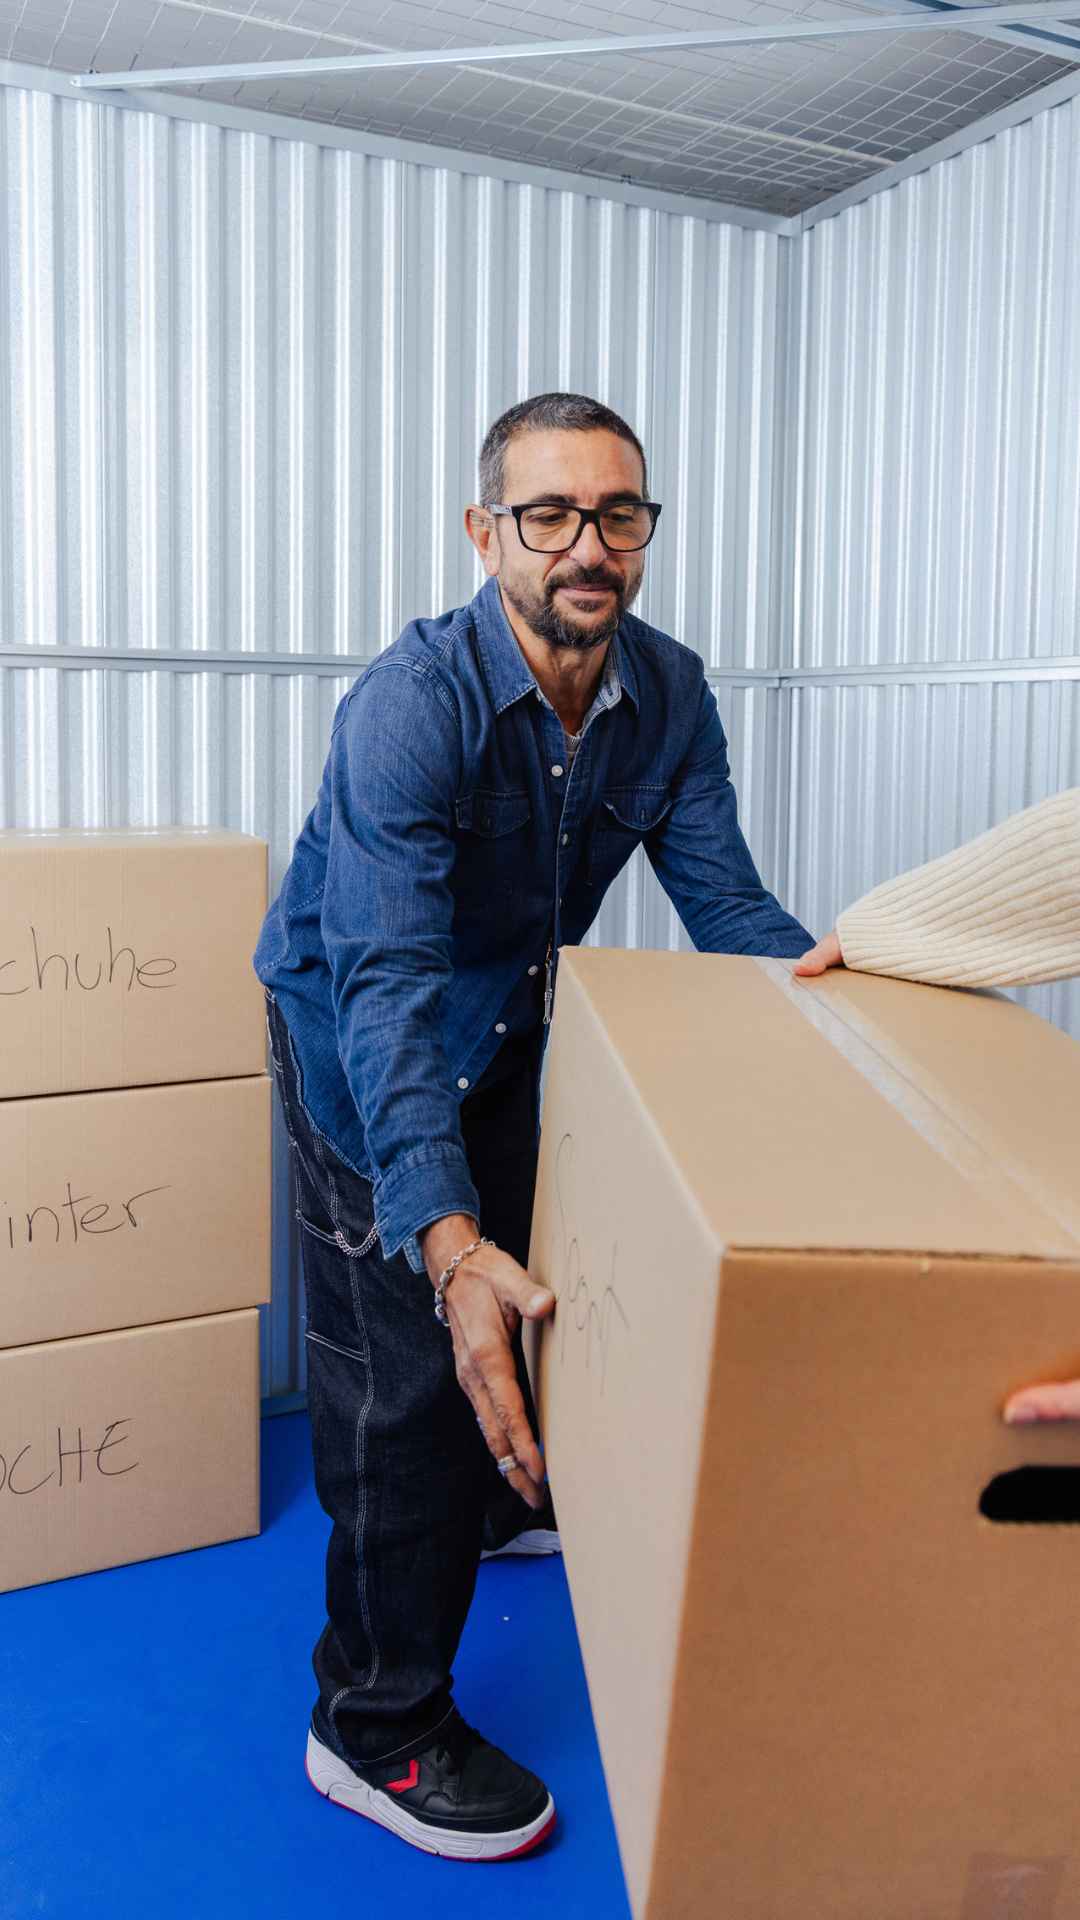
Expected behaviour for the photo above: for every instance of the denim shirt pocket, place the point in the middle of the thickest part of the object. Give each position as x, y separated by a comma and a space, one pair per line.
492, 839
625, 815
491, 814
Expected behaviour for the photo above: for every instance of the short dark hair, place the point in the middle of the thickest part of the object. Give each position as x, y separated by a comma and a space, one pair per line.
568, 412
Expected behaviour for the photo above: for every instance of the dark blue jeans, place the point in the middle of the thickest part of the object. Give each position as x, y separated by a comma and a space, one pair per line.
401, 1467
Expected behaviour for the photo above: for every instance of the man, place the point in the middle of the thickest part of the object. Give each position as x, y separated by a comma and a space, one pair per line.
488, 776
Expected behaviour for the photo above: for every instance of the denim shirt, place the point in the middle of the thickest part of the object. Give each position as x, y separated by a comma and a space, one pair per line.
450, 846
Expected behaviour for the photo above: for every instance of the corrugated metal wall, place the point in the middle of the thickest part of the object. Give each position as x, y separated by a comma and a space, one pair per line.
243, 380
935, 517
938, 509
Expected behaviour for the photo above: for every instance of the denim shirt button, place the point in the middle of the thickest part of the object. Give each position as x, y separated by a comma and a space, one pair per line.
500, 1026
566, 839
556, 769
463, 1082
534, 969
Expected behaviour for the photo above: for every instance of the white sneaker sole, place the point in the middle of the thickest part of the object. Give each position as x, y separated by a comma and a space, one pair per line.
534, 1541
336, 1780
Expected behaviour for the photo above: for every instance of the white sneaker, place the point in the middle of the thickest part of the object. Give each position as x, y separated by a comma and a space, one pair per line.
534, 1540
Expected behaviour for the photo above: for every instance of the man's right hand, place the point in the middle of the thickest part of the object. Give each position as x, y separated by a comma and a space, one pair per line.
485, 1300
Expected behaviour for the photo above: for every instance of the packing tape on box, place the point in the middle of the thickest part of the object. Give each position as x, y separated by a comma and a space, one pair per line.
897, 1079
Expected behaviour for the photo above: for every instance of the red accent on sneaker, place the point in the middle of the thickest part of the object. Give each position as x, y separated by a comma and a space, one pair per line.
410, 1779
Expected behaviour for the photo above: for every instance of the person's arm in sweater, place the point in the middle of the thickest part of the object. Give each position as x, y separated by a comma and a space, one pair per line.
1004, 910
1001, 911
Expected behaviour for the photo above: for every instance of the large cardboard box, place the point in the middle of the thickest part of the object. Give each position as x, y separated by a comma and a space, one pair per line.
121, 1208
806, 1239
126, 1445
125, 958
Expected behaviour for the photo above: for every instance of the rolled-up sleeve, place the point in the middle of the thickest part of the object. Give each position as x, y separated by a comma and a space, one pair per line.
703, 862
386, 918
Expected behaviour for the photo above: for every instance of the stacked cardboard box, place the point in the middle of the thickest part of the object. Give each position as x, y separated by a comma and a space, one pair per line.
134, 1195
806, 1239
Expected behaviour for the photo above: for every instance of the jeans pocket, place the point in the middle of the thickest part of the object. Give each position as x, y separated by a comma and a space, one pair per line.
349, 1353
334, 1236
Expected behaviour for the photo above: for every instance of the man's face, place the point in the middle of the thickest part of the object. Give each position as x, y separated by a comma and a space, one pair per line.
574, 599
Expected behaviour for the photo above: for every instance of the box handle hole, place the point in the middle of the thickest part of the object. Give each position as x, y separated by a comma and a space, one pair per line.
1031, 1496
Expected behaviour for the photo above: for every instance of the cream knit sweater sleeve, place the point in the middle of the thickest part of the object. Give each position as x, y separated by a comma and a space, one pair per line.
1003, 910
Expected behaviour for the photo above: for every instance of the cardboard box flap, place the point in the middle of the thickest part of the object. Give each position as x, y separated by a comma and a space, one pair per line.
885, 1116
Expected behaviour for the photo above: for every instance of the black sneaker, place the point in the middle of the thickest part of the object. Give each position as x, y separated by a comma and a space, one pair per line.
455, 1795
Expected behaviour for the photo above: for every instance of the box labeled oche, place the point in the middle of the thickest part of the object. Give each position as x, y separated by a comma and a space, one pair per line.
804, 1249
128, 1445
118, 1209
125, 958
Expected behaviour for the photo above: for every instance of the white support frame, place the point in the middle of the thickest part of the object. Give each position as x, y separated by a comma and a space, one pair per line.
346, 666
962, 20
1060, 38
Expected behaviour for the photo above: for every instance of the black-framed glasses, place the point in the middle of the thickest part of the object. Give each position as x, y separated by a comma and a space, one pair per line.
549, 527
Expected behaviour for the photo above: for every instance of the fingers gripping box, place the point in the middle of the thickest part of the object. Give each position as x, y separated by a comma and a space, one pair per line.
805, 1239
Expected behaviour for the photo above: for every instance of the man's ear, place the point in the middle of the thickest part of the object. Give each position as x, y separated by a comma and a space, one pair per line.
481, 529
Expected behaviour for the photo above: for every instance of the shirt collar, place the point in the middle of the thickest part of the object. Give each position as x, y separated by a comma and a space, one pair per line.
508, 672
606, 695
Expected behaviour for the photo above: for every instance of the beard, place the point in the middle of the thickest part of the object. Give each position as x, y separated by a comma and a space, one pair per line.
559, 629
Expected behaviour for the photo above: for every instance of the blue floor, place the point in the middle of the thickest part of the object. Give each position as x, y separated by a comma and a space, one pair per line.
152, 1727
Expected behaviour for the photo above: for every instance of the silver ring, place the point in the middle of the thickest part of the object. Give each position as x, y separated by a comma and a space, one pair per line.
507, 1464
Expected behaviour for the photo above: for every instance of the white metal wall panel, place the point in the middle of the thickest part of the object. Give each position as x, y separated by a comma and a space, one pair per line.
938, 498
243, 381
886, 777
719, 348
248, 378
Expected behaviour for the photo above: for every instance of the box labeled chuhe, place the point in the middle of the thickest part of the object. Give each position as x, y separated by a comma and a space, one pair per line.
125, 958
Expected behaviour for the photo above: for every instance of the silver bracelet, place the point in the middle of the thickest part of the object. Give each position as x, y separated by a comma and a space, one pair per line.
448, 1273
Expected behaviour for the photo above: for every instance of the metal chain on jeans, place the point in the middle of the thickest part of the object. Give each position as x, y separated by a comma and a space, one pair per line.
339, 1238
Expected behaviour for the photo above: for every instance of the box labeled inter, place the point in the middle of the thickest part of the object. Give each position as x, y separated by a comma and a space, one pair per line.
806, 1238
121, 1208
124, 1446
125, 958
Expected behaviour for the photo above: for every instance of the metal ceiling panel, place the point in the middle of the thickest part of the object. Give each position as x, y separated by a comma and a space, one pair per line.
776, 127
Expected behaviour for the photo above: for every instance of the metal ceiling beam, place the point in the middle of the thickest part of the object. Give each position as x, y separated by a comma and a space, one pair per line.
1058, 39
963, 19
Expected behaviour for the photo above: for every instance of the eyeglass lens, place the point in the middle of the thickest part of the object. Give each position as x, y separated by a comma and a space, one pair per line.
549, 529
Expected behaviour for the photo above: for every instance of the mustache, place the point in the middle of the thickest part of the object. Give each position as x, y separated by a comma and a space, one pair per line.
595, 578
